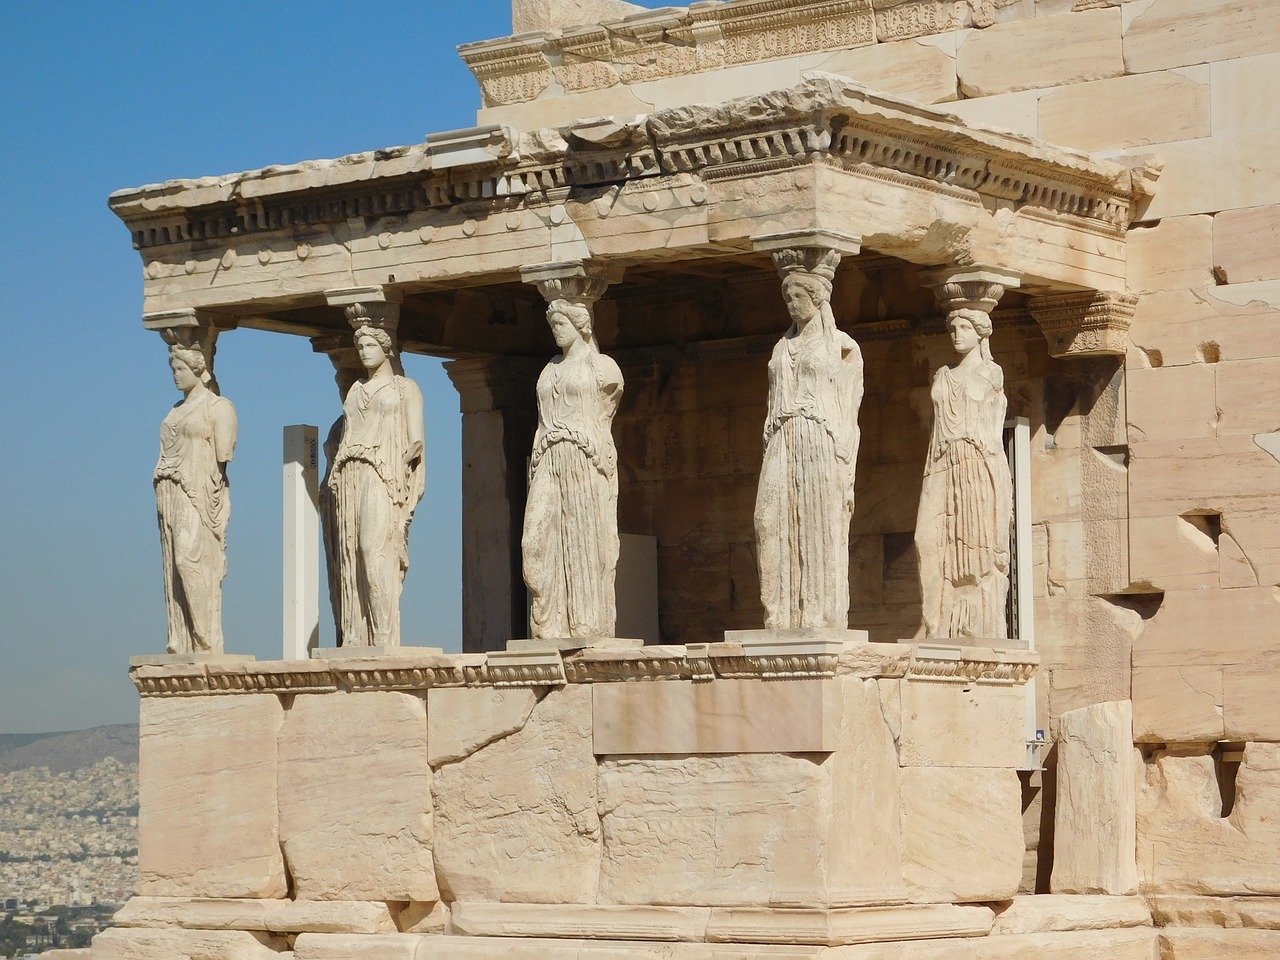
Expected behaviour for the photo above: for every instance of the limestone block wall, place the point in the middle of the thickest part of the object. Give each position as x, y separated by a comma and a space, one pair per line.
717, 793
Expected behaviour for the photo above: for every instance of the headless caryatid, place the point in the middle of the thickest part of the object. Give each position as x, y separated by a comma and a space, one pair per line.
375, 482
966, 500
804, 503
193, 502
570, 541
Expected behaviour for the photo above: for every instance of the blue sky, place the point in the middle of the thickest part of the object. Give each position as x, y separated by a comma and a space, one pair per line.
111, 94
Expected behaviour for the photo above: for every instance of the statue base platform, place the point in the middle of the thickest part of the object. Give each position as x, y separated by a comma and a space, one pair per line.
172, 659
568, 644
728, 799
373, 653
993, 643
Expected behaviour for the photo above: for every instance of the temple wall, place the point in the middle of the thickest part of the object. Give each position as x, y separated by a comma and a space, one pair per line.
1157, 483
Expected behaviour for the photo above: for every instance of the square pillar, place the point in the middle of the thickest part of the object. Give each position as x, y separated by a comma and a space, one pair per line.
499, 416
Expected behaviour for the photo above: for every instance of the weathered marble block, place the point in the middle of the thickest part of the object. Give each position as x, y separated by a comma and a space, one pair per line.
207, 824
174, 944
1187, 845
355, 796
516, 820
962, 833
1094, 847
813, 829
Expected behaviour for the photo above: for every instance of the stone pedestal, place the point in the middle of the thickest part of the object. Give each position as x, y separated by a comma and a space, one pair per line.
809, 791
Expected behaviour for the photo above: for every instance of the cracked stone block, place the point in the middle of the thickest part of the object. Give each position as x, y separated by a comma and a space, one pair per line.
815, 829
1093, 846
516, 820
1185, 842
355, 796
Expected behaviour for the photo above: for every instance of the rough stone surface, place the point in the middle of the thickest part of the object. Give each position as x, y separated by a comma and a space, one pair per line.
1093, 845
962, 833
759, 829
1128, 111
1069, 945
576, 920
1048, 913
277, 916
1026, 54
1171, 33
1176, 253
1178, 704
1246, 243
207, 822
1262, 913
530, 15
355, 797
340, 946
907, 68
461, 720
728, 716
857, 925
1216, 944
517, 819
154, 944
486, 948
959, 725
1186, 845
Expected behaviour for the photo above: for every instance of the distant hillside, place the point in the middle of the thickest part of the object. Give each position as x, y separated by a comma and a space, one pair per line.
64, 752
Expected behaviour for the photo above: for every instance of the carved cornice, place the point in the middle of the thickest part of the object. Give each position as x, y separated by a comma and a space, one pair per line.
483, 172
769, 29
971, 664
1088, 324
701, 662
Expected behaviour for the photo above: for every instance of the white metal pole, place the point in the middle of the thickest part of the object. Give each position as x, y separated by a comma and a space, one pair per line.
301, 541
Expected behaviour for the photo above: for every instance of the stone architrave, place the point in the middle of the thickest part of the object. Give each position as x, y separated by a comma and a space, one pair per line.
570, 541
376, 476
966, 498
804, 502
193, 500
347, 371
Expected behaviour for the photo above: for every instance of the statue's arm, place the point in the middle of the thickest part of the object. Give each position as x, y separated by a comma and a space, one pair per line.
225, 426
413, 420
610, 378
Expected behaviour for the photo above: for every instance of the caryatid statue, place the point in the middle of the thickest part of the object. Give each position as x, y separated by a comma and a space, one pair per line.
375, 481
966, 499
570, 540
193, 500
804, 503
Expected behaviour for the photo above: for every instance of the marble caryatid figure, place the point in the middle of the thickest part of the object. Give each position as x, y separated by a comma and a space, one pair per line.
376, 479
570, 541
804, 504
193, 501
962, 528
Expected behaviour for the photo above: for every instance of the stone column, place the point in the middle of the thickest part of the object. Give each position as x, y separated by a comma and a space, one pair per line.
499, 416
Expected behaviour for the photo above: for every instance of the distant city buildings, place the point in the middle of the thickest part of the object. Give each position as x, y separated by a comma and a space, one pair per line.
68, 838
